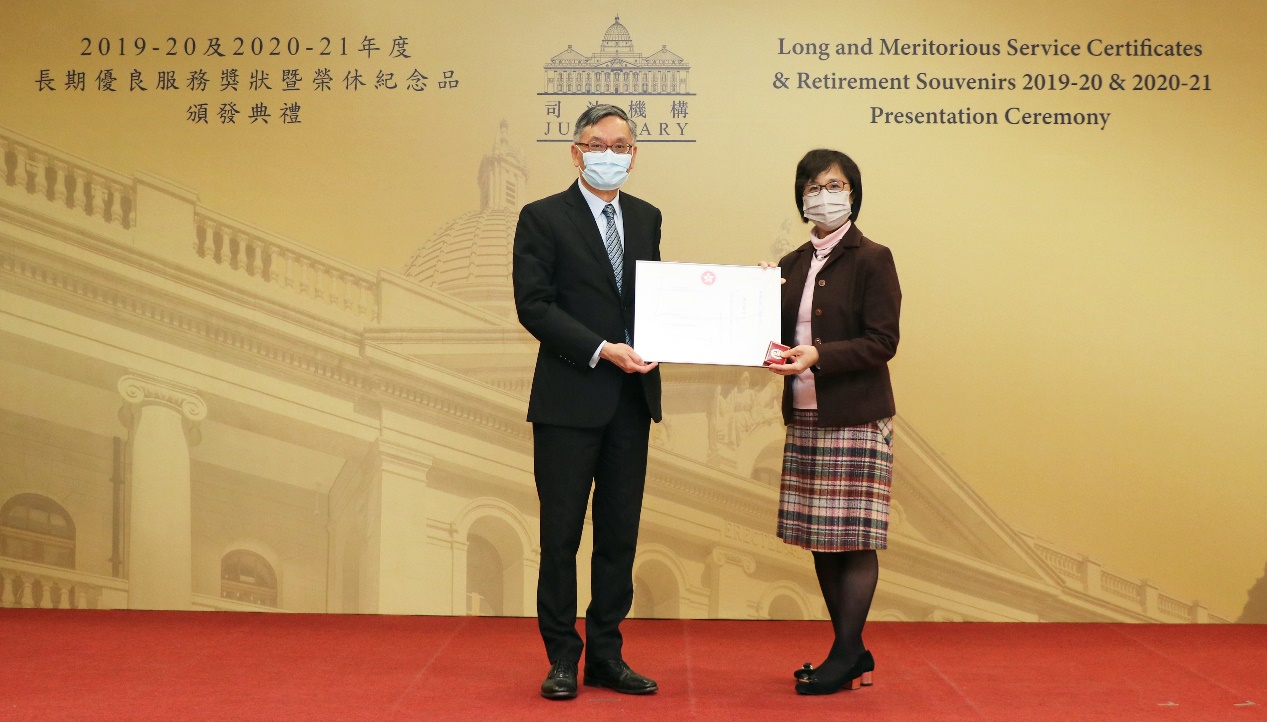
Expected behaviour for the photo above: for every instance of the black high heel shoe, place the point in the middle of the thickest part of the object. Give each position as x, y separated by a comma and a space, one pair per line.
807, 670
860, 674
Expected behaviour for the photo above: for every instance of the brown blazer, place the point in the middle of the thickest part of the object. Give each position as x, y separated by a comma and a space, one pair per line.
854, 326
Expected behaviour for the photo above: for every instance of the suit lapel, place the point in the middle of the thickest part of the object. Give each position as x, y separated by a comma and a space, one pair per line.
797, 275
634, 240
583, 219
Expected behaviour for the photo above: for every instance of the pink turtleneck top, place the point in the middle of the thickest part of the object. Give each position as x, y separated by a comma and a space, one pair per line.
803, 396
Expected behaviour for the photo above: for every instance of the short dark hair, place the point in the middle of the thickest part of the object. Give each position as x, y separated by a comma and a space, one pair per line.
593, 114
814, 164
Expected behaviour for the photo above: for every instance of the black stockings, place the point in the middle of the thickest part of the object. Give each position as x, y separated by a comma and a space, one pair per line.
848, 582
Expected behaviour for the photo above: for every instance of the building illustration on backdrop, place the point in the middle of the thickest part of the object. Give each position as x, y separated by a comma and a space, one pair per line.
617, 69
198, 413
652, 89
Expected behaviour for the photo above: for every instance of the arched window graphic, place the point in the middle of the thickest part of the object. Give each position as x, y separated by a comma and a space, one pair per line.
656, 592
494, 568
783, 606
248, 577
485, 584
767, 468
37, 529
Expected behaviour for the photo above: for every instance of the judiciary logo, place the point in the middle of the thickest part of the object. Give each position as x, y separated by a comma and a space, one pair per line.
653, 89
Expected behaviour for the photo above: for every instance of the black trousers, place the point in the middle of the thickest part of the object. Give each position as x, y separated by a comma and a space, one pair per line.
569, 461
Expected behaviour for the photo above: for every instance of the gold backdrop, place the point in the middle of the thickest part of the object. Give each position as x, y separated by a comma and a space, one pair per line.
297, 324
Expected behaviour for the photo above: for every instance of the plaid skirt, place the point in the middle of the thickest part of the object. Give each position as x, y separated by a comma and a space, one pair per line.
834, 496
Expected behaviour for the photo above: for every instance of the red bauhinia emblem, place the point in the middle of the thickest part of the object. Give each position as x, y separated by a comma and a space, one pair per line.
708, 278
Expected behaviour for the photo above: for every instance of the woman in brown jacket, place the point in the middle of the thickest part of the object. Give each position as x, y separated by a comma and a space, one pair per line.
841, 301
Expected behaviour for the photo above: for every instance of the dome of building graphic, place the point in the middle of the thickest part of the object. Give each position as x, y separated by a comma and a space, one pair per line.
616, 39
469, 257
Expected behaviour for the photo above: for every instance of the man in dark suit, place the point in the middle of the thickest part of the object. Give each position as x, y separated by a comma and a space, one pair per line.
593, 397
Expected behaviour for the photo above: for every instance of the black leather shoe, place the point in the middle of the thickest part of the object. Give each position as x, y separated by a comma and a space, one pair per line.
560, 683
615, 674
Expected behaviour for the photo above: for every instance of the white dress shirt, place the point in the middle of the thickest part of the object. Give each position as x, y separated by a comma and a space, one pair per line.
597, 205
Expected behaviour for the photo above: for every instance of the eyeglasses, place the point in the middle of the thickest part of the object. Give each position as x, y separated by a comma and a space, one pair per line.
596, 147
814, 189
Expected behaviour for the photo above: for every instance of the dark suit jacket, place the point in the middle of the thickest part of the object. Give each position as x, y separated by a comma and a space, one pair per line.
854, 326
565, 294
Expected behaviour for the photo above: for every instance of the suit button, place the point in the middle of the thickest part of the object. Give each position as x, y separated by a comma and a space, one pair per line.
818, 342
818, 312
821, 282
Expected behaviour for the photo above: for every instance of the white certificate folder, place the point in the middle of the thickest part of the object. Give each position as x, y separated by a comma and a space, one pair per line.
695, 313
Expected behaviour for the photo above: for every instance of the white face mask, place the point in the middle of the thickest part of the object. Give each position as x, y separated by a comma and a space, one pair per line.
828, 210
606, 171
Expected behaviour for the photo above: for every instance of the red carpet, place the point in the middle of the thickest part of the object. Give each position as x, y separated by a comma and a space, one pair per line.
79, 665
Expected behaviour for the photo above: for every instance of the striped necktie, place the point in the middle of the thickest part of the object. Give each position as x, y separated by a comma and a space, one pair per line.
614, 251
